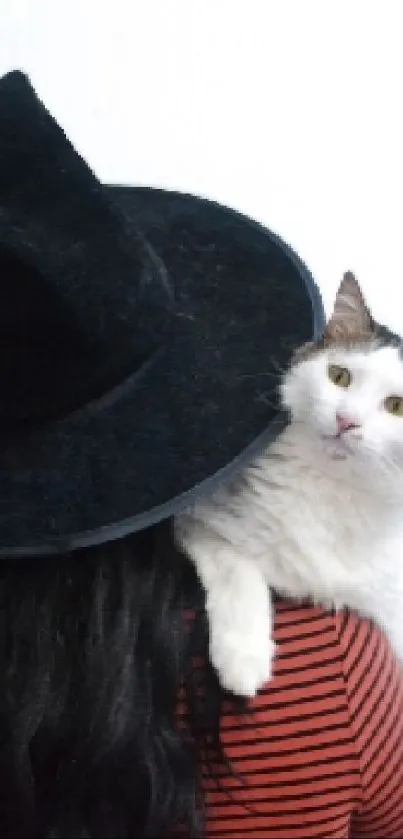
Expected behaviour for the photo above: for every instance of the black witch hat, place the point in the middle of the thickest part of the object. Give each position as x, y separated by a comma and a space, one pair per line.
141, 337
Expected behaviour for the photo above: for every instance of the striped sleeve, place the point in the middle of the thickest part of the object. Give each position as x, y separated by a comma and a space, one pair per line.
319, 751
374, 687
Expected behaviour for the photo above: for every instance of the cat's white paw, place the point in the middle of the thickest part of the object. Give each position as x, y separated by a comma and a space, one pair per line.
238, 606
243, 662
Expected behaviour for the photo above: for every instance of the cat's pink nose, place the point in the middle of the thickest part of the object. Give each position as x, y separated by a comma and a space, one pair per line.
345, 424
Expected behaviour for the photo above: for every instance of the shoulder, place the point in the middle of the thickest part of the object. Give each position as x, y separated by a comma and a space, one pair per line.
307, 639
343, 643
344, 664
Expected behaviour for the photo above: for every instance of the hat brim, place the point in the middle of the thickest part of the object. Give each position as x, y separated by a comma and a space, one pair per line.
204, 406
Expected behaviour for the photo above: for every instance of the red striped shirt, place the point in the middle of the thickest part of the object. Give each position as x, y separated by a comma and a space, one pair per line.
320, 751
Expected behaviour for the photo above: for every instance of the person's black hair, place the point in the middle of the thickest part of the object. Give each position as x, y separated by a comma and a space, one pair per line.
95, 647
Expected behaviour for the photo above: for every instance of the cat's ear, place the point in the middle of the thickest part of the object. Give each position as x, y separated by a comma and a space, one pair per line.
351, 318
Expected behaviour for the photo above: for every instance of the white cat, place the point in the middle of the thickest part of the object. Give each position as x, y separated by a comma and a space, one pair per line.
318, 515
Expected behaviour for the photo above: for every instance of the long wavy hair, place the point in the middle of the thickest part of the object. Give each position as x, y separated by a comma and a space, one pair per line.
95, 649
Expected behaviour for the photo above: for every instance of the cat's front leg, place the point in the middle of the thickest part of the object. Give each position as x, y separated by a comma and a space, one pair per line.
239, 610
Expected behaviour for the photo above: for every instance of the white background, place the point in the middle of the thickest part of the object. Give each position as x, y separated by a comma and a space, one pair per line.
289, 110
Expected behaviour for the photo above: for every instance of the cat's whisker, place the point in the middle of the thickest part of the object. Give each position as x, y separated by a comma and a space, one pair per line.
384, 460
264, 397
391, 465
256, 376
277, 366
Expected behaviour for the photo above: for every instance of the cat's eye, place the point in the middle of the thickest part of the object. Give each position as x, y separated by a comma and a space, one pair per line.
394, 405
340, 376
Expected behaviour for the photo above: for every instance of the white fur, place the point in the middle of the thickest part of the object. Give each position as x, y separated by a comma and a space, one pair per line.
313, 517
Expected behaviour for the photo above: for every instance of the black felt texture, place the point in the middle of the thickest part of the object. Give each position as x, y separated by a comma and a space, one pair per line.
68, 257
206, 398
